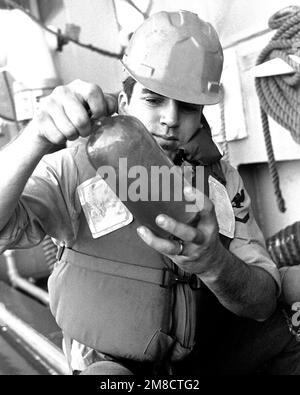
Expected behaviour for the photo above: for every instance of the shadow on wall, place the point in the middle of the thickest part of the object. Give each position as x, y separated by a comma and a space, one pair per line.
48, 9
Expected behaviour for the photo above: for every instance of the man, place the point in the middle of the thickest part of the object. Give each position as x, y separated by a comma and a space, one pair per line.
175, 62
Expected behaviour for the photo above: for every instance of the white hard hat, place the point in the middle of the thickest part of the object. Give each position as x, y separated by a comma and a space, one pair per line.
178, 55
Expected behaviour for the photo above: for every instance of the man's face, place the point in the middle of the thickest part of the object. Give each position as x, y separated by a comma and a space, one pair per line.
170, 122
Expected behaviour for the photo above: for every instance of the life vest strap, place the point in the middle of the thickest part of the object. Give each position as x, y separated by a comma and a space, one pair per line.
164, 277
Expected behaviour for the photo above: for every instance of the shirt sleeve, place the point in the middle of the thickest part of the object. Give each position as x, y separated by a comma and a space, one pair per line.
47, 205
248, 243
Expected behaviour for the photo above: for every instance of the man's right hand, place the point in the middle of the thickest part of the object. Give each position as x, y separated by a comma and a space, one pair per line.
66, 113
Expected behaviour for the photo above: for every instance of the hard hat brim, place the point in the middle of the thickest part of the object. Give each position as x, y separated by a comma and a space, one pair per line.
168, 91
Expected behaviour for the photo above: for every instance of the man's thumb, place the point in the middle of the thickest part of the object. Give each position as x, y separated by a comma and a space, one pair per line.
111, 102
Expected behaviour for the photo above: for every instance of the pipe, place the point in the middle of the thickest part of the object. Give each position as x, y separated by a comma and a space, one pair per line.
37, 343
19, 282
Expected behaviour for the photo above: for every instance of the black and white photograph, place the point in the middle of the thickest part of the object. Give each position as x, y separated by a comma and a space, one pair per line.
149, 191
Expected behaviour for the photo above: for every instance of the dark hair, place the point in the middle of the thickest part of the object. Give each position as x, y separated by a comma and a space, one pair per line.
128, 85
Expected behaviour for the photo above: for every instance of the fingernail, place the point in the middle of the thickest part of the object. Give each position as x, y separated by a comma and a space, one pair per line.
160, 220
141, 231
188, 190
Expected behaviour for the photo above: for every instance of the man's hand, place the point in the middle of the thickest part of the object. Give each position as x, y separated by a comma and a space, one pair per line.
66, 113
202, 249
243, 289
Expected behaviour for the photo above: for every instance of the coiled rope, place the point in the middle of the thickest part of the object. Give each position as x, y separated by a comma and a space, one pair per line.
279, 96
284, 246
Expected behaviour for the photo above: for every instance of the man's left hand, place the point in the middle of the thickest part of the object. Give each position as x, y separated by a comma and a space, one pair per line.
201, 250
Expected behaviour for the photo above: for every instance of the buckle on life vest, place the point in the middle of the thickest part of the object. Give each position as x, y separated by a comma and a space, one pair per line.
170, 279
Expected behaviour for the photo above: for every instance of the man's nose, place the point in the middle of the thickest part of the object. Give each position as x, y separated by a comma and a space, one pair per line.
170, 114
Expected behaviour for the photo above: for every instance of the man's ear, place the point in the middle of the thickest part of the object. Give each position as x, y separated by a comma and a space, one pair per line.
123, 103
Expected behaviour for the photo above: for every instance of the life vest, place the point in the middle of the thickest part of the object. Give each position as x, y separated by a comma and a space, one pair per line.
119, 296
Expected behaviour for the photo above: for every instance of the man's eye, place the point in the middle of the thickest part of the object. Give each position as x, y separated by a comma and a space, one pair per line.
153, 100
189, 107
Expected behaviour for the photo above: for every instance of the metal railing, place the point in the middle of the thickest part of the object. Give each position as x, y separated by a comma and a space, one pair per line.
21, 283
42, 349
